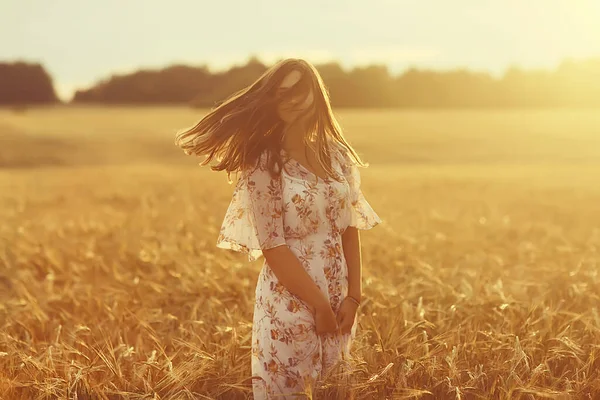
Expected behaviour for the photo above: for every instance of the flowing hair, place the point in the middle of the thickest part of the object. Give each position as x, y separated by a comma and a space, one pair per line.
237, 131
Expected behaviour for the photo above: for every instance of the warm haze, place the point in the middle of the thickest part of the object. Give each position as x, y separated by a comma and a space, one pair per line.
482, 283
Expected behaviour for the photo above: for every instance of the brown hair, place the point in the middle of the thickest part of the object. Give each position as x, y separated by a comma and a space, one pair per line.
237, 131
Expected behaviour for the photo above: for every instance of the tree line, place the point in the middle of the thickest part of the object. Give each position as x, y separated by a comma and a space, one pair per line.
572, 84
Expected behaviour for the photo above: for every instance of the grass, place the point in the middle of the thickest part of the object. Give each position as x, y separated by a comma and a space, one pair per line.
482, 282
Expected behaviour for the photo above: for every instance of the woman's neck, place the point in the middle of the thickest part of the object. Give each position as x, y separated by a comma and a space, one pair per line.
294, 137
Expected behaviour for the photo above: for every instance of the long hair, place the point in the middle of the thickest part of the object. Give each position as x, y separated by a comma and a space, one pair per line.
247, 123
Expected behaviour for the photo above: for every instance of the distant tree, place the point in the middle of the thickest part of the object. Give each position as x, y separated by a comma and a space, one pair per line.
578, 83
175, 84
24, 83
370, 86
227, 82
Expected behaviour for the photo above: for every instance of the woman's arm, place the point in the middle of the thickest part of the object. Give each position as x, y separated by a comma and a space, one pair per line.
265, 201
291, 274
352, 253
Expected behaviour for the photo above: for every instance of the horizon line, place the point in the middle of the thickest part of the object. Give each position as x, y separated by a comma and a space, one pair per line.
66, 92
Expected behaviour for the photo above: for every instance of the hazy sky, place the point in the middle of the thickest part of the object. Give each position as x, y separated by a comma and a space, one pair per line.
82, 41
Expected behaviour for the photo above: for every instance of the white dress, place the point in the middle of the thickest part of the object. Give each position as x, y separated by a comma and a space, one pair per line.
309, 217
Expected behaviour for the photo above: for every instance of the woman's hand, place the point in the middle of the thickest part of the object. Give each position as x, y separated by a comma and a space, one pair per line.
346, 315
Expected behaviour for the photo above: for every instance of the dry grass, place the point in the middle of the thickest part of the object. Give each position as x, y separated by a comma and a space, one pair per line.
483, 281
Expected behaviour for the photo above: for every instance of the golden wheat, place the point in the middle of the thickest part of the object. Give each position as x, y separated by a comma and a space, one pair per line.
483, 281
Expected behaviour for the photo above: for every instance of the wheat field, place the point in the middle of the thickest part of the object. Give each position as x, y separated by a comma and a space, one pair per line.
482, 282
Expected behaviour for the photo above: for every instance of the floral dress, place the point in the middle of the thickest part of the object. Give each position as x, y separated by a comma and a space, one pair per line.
308, 215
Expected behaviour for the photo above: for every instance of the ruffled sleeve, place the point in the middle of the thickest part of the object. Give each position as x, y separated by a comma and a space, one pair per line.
362, 215
253, 221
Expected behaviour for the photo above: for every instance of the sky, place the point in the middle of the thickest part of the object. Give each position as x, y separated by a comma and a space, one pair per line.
81, 42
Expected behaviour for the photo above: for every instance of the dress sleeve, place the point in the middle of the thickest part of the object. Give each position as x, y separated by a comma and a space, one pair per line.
362, 214
254, 219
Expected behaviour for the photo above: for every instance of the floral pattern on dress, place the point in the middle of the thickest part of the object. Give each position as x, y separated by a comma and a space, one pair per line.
309, 215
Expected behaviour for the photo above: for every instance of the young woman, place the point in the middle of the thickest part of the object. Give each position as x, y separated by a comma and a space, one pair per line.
299, 204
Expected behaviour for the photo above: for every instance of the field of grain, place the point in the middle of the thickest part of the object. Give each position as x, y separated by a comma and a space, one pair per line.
482, 281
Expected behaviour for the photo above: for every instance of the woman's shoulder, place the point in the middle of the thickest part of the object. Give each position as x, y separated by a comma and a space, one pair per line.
260, 164
342, 154
258, 161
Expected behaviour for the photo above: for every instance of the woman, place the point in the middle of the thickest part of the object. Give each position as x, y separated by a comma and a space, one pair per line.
299, 204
